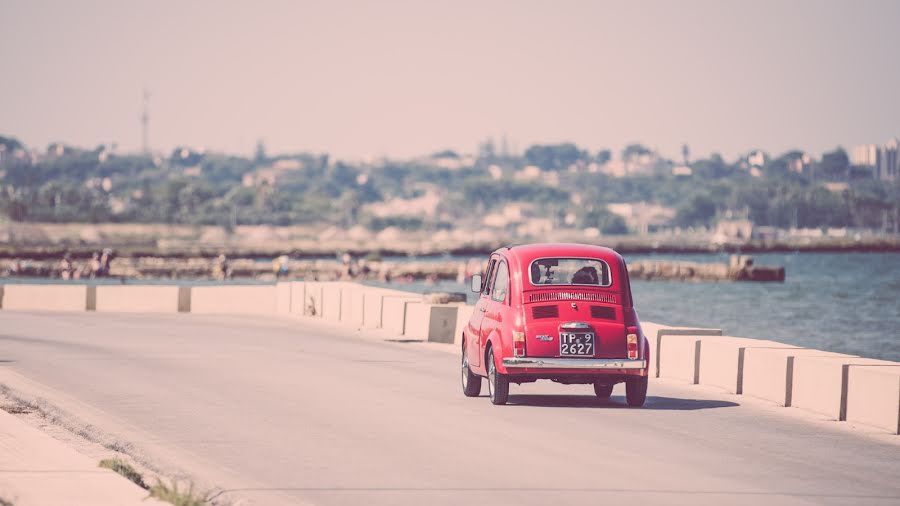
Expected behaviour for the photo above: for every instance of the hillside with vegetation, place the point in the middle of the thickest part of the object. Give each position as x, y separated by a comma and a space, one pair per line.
560, 186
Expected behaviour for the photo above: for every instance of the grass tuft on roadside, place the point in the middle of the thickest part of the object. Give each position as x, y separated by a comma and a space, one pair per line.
125, 470
171, 494
160, 490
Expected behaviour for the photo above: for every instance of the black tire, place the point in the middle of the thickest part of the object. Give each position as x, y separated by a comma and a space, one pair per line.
471, 383
498, 384
603, 391
636, 391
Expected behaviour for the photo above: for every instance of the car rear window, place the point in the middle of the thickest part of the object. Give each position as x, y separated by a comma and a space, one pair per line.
569, 271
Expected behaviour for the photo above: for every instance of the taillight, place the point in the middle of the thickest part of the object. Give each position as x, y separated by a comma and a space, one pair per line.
632, 340
519, 343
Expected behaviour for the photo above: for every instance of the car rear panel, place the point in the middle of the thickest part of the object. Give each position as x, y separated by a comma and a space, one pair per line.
546, 311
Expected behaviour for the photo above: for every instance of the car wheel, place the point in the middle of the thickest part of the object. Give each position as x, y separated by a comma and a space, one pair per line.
471, 383
498, 384
603, 391
636, 391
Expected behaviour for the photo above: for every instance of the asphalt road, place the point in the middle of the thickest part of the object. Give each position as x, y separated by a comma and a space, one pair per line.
288, 412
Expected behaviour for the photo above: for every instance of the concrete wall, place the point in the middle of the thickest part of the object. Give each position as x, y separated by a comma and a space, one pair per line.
331, 301
769, 372
393, 312
298, 298
431, 322
722, 360
655, 334
678, 357
354, 298
374, 315
348, 290
821, 383
873, 396
234, 299
138, 298
46, 297
283, 297
312, 305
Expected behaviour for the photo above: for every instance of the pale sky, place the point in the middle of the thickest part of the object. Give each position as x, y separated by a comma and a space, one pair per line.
406, 78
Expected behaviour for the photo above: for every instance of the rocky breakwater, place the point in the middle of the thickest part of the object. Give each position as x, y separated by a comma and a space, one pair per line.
738, 268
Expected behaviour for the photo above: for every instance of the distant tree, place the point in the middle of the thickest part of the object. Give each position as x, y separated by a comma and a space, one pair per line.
685, 154
699, 210
447, 153
554, 156
11, 143
714, 167
835, 166
603, 219
634, 150
603, 156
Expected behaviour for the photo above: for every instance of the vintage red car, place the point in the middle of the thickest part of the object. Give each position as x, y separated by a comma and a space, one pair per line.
562, 312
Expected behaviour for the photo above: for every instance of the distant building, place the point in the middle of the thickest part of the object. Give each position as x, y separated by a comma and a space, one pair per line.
733, 229
887, 165
865, 155
642, 216
682, 170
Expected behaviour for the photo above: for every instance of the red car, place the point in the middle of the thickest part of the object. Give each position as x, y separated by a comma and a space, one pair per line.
561, 312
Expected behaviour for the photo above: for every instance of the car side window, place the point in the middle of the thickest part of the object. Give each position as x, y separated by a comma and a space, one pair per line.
501, 283
486, 281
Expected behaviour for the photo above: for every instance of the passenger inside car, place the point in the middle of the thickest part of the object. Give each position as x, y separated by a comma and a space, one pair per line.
586, 276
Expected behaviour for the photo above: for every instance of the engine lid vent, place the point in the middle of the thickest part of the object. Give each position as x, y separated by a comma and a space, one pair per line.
608, 298
538, 312
603, 313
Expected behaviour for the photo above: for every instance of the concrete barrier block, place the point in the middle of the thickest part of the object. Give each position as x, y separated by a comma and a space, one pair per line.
393, 313
821, 383
234, 299
283, 296
298, 298
873, 396
769, 372
347, 291
331, 301
355, 296
430, 322
463, 314
678, 356
722, 360
373, 306
312, 304
137, 299
660, 331
46, 297
372, 301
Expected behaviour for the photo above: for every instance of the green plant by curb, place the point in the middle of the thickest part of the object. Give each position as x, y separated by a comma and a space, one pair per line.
160, 490
125, 470
171, 494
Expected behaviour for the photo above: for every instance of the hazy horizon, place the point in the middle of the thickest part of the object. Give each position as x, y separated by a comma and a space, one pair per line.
360, 79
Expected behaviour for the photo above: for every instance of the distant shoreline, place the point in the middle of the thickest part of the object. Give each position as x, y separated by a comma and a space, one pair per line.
328, 251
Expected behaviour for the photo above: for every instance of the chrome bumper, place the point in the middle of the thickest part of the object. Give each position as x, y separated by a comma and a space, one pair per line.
573, 363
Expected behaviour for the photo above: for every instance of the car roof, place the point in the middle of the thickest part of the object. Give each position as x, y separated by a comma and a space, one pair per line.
526, 253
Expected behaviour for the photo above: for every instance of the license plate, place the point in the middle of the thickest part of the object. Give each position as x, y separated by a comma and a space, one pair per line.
576, 345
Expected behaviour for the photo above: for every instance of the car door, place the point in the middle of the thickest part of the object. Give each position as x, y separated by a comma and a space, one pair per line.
473, 343
496, 309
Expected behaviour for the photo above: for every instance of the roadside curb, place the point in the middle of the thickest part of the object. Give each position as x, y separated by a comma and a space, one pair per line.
36, 469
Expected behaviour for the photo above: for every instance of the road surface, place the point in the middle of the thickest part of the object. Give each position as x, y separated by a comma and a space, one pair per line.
284, 411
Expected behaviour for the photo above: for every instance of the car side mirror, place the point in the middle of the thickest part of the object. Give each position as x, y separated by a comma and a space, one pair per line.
476, 283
